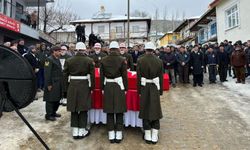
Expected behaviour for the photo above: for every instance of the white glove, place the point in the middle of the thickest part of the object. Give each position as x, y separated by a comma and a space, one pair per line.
36, 70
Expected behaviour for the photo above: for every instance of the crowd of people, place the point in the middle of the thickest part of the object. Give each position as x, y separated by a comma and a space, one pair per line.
224, 59
74, 65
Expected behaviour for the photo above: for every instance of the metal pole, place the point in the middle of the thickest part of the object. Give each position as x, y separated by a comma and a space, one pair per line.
4, 93
128, 21
38, 13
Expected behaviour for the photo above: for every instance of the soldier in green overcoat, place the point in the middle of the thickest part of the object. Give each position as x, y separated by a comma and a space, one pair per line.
53, 84
98, 55
114, 82
79, 71
150, 87
124, 53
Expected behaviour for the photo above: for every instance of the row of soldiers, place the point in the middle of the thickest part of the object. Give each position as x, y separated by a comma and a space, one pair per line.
77, 74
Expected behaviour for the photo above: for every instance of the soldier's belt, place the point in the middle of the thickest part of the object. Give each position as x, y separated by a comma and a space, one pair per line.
87, 77
118, 80
156, 81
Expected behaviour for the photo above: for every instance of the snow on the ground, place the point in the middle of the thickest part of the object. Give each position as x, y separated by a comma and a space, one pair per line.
243, 89
240, 105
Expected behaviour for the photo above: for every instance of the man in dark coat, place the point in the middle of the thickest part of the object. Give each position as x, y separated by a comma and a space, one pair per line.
92, 39
78, 33
42, 54
150, 87
125, 54
183, 65
197, 66
97, 55
82, 32
32, 58
53, 84
79, 70
114, 82
22, 49
228, 47
223, 63
239, 61
248, 57
211, 61
169, 60
135, 55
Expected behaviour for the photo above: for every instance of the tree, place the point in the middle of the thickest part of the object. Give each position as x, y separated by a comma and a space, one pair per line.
55, 16
138, 13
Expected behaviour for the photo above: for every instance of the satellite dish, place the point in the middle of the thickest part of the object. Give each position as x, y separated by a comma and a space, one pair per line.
18, 78
17, 84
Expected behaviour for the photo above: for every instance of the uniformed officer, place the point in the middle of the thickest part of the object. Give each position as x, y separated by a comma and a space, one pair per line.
114, 82
79, 70
63, 58
97, 55
124, 53
53, 84
150, 87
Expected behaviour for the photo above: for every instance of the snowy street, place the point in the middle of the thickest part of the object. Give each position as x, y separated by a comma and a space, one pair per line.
211, 117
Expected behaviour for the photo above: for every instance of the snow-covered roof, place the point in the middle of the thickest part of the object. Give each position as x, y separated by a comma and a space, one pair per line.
111, 19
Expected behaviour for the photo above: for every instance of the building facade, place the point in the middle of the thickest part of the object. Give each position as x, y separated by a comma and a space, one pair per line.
233, 19
187, 37
12, 21
110, 27
169, 38
206, 27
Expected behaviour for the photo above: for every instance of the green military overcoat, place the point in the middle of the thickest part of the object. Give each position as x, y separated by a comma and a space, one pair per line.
97, 58
114, 66
53, 76
79, 92
129, 59
149, 67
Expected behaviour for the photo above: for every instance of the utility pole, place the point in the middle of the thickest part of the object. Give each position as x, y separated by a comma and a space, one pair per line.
38, 14
128, 21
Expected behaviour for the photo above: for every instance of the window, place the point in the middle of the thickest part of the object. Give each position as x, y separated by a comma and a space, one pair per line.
19, 11
213, 29
135, 29
101, 29
7, 8
174, 37
118, 29
1, 6
232, 17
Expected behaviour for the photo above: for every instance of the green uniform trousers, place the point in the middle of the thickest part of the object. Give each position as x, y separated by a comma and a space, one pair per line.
115, 121
79, 119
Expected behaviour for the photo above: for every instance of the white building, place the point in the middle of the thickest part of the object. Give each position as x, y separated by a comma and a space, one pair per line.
233, 19
111, 27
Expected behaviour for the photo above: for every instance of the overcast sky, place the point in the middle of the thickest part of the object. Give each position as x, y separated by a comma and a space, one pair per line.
86, 8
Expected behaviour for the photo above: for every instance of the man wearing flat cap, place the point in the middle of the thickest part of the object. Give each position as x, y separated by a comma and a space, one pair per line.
53, 84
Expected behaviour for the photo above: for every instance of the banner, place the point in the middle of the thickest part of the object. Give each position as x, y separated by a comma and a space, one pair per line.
9, 23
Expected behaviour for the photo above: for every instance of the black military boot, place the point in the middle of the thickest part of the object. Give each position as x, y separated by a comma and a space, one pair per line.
50, 118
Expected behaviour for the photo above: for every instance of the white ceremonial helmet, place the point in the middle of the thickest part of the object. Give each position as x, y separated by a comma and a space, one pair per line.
150, 45
114, 44
80, 46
